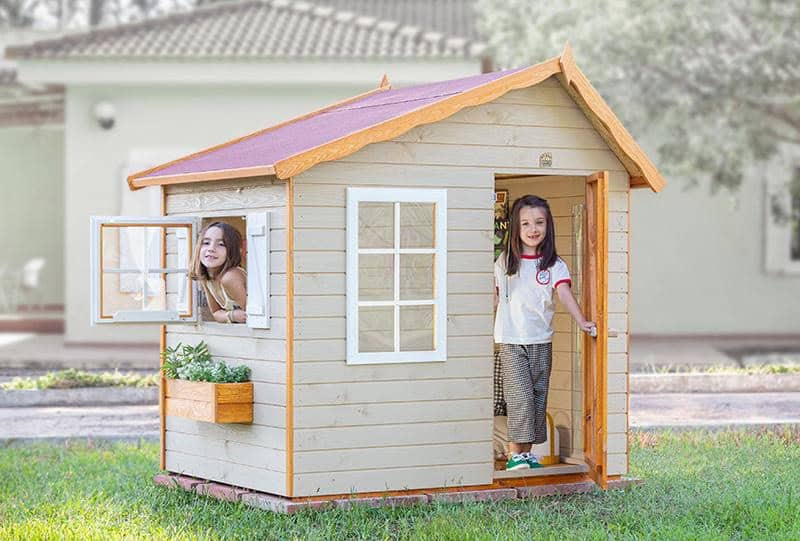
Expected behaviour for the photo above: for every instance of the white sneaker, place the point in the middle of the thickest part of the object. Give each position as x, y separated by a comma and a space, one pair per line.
517, 462
531, 459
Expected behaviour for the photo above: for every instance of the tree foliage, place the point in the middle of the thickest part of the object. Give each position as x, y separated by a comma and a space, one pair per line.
18, 13
716, 84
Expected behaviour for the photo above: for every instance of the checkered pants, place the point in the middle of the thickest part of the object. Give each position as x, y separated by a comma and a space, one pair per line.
499, 399
526, 380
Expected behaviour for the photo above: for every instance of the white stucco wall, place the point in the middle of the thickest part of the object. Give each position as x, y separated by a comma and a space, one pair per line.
151, 118
698, 264
31, 205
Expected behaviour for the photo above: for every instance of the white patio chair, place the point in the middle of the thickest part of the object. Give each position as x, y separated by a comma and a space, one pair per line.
6, 288
29, 281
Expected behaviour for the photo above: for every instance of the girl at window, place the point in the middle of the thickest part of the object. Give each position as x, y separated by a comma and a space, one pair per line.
526, 275
216, 265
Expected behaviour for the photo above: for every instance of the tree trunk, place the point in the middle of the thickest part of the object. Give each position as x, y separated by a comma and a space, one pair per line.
95, 12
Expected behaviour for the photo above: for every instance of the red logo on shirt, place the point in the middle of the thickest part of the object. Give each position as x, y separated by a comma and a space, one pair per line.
543, 277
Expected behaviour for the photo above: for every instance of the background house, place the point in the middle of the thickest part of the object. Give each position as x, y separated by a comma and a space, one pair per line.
707, 264
210, 75
31, 151
716, 264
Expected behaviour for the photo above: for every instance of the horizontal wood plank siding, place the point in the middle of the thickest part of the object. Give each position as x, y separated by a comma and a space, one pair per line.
246, 455
346, 416
618, 321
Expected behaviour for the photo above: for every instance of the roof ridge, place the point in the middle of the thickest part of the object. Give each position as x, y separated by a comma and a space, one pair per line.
117, 28
312, 8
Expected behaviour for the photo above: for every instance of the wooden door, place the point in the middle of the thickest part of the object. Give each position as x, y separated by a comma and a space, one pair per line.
595, 349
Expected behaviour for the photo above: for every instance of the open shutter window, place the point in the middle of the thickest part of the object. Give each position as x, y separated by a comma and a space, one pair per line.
258, 270
140, 269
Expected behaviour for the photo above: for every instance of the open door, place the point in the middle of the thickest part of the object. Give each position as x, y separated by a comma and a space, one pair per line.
595, 349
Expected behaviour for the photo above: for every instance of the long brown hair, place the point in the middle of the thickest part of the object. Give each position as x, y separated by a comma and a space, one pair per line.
233, 247
547, 248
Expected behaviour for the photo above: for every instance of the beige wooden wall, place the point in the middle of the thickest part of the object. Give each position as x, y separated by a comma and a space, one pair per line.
252, 456
405, 426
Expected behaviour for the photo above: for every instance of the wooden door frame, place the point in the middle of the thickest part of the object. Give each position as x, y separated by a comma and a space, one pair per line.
599, 389
595, 349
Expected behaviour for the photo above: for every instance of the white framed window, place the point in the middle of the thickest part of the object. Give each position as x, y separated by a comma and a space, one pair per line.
396, 275
140, 269
782, 220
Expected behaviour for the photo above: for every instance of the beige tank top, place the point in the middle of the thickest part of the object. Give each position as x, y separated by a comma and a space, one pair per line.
220, 295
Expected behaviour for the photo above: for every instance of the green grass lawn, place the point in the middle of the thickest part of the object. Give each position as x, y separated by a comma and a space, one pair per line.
697, 486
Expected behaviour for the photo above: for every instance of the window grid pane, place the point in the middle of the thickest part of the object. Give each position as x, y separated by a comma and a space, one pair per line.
133, 276
419, 249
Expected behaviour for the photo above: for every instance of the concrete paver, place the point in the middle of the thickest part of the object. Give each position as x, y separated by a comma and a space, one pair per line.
686, 352
30, 354
713, 409
695, 410
112, 422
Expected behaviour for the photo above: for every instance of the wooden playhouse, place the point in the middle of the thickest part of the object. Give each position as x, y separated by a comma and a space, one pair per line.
369, 228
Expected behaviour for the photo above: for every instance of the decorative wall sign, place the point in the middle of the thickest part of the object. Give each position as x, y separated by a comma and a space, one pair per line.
500, 220
545, 159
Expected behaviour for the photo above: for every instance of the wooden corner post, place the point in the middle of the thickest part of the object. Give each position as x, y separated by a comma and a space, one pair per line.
162, 386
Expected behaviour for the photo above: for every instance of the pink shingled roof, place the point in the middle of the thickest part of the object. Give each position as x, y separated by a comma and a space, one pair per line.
272, 146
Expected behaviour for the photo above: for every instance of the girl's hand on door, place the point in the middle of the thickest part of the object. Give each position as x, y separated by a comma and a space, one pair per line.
588, 326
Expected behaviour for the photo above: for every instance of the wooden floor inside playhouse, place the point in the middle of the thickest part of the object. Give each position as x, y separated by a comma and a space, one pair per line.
567, 466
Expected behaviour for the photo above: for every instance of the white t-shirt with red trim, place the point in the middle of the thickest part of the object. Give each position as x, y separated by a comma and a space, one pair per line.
525, 301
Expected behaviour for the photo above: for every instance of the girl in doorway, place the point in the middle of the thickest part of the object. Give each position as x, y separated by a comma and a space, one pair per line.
526, 275
216, 265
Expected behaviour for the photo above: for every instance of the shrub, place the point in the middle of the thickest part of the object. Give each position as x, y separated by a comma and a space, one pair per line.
71, 379
194, 363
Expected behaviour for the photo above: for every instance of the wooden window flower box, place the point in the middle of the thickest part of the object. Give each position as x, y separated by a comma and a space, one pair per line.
210, 402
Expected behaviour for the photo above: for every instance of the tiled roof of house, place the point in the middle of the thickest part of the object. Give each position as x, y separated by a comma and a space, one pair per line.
450, 17
8, 75
282, 29
21, 105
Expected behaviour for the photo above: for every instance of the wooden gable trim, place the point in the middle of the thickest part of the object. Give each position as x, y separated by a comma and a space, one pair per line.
607, 124
145, 178
344, 146
204, 176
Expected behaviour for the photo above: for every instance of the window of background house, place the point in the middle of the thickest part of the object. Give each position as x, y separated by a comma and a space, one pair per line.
782, 221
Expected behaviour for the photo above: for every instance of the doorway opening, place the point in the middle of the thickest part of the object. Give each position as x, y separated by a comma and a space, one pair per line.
563, 451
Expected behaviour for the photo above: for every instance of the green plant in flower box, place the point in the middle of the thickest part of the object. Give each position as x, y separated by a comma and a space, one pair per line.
194, 363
